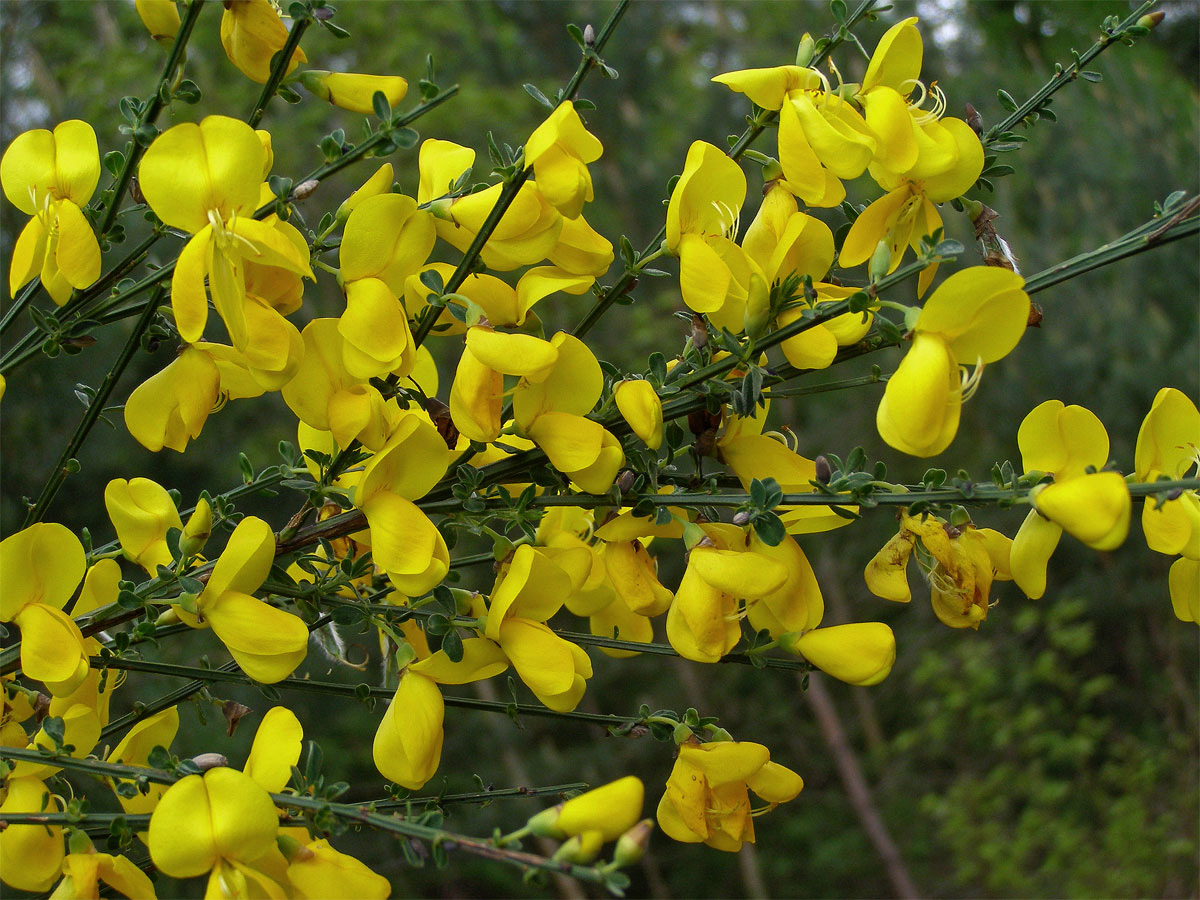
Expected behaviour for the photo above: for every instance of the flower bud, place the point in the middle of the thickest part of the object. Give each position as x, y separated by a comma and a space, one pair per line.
1151, 19
206, 761
741, 518
881, 261
804, 52
581, 849
197, 529
79, 842
353, 91
305, 189
631, 846
292, 849
161, 18
824, 469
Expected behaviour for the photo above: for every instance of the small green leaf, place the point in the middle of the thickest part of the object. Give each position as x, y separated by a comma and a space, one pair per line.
537, 95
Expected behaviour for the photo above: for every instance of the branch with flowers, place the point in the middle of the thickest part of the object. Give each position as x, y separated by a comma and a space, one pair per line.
587, 481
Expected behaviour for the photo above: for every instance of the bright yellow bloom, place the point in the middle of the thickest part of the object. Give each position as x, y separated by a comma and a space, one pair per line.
142, 512
976, 315
641, 407
797, 604
134, 750
52, 176
205, 179
317, 872
1168, 445
408, 743
161, 18
1066, 441
252, 33
590, 820
860, 653
267, 642
404, 543
1184, 584
40, 567
707, 799
581, 250
170, 408
702, 623
31, 856
1094, 508
354, 92
388, 238
752, 455
326, 396
83, 873
907, 212
559, 150
702, 218
217, 824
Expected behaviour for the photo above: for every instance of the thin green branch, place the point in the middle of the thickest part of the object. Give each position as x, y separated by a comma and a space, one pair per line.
60, 471
279, 69
1064, 76
361, 814
346, 690
1150, 234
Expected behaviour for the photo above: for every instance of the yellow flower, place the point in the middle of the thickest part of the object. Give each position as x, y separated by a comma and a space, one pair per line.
408, 743
161, 18
354, 92
205, 179
590, 820
581, 250
860, 653
52, 176
326, 396
134, 750
252, 33
268, 643
142, 512
550, 407
83, 873
707, 798
1168, 444
642, 409
318, 871
559, 150
31, 856
976, 315
170, 408
959, 563
907, 212
216, 824
821, 138
1065, 441
404, 543
40, 567
702, 218
702, 623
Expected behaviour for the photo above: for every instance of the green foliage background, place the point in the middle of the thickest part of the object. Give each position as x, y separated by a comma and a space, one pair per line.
1052, 753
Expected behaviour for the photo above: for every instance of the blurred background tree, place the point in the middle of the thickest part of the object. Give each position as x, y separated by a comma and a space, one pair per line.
1052, 753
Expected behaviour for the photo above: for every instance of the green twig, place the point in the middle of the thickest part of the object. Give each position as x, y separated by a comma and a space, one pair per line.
60, 471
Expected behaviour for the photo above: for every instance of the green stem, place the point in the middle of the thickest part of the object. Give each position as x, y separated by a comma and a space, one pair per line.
1064, 76
1150, 234
59, 473
150, 113
518, 793
278, 70
591, 60
345, 690
361, 814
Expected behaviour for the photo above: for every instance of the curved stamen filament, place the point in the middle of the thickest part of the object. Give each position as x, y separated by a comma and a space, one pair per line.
970, 381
